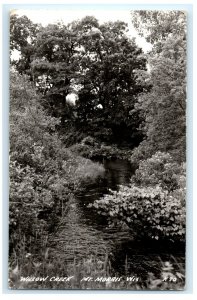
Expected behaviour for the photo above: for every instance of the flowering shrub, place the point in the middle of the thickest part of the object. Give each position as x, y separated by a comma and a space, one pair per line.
154, 203
148, 211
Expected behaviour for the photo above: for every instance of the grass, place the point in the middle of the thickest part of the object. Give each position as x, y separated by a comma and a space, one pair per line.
93, 273
88, 171
74, 250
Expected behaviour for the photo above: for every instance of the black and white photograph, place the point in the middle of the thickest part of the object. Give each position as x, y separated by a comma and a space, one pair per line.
97, 149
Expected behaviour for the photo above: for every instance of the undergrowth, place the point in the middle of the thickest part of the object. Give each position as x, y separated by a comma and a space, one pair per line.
92, 273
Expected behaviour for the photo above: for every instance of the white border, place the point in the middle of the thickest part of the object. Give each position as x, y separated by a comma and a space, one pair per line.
83, 294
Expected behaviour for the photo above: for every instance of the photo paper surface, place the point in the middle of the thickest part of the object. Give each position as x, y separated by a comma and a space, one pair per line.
97, 137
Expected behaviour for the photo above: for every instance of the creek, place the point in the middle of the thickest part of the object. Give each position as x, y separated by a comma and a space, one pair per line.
85, 232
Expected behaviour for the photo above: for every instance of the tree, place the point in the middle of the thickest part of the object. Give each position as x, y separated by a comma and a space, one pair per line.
164, 107
54, 67
109, 86
23, 34
157, 26
99, 64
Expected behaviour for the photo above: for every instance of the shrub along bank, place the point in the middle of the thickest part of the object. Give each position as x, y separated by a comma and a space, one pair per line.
89, 147
43, 173
153, 205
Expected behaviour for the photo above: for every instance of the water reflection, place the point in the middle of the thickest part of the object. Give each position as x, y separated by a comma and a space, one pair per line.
117, 172
141, 257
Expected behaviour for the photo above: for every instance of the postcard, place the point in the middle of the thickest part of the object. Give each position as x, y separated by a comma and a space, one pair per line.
97, 169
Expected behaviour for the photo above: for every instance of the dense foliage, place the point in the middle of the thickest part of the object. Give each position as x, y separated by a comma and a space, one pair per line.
164, 107
23, 34
95, 64
90, 148
156, 26
86, 90
43, 173
153, 205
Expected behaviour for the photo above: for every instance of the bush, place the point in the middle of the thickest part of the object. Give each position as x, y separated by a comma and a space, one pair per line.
154, 203
160, 169
144, 151
43, 173
88, 171
152, 212
91, 149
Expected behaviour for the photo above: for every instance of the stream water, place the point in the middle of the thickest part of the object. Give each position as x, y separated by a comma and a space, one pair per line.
85, 232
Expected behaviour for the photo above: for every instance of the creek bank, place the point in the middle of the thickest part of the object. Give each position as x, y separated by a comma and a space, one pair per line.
90, 148
84, 234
